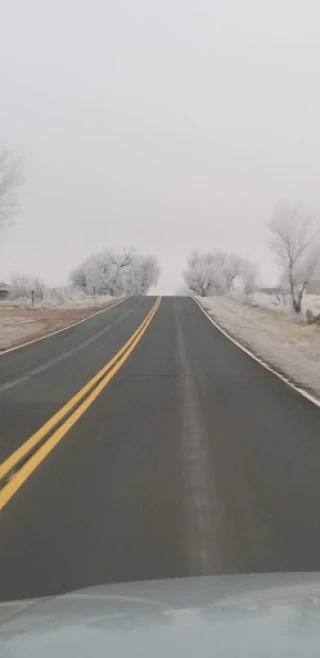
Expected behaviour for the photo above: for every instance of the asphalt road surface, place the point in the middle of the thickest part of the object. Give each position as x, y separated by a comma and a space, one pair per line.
192, 459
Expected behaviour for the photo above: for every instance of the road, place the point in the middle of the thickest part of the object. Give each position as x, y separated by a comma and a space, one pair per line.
192, 459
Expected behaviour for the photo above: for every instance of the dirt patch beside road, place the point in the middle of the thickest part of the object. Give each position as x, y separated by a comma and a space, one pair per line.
18, 325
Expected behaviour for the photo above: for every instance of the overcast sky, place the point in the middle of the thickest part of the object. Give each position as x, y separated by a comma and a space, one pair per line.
158, 124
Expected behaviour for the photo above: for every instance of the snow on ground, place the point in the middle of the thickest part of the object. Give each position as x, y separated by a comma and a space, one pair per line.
20, 322
282, 302
281, 339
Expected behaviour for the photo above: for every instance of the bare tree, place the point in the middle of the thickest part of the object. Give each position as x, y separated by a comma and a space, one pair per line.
10, 178
294, 242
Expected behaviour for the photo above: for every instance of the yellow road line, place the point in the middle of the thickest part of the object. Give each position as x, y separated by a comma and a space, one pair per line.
110, 369
16, 456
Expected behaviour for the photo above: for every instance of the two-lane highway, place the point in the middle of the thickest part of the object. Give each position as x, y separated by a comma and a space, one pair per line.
191, 459
36, 380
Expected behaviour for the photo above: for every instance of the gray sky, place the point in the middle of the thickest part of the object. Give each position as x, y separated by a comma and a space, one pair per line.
162, 125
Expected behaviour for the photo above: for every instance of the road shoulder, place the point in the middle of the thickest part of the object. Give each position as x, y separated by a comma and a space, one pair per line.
20, 326
278, 350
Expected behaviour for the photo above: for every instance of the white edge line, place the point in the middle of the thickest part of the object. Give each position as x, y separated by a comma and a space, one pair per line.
59, 331
305, 394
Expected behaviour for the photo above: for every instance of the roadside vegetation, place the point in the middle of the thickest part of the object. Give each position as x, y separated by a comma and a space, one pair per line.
124, 273
294, 242
29, 308
280, 325
219, 273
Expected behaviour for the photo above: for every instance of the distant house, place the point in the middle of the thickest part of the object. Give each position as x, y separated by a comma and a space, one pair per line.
313, 287
4, 290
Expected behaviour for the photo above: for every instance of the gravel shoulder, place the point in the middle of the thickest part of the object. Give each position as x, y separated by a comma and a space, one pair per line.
287, 343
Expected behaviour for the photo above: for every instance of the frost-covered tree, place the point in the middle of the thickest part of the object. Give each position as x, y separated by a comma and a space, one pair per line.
294, 241
23, 284
204, 273
233, 269
249, 278
215, 273
125, 273
145, 273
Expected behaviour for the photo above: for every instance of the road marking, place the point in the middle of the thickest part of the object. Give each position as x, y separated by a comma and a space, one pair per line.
105, 375
59, 331
11, 461
262, 363
74, 350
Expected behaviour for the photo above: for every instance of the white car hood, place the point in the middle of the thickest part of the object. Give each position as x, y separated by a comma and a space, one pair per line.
268, 615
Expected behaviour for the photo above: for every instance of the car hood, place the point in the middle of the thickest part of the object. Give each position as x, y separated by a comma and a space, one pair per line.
276, 614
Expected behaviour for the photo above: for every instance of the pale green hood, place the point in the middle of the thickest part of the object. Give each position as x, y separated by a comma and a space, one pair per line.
269, 615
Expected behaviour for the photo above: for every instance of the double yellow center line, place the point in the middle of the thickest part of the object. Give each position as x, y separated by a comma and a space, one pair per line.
15, 470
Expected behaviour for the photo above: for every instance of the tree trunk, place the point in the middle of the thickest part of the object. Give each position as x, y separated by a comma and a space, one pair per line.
296, 303
299, 301
296, 306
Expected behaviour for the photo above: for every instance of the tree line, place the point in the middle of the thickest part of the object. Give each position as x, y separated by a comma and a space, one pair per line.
294, 243
293, 240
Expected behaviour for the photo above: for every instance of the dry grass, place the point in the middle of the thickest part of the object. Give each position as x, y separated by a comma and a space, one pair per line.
18, 325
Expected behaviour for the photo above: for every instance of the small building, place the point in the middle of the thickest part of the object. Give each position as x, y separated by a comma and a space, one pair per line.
4, 290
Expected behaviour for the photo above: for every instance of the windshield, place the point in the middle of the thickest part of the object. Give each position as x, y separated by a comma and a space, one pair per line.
159, 292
